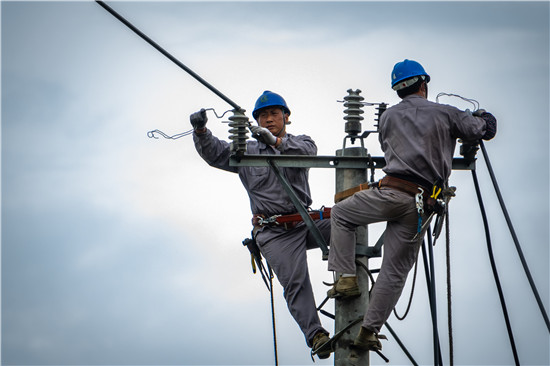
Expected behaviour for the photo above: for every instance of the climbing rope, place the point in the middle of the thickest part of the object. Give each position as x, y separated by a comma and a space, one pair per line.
449, 303
273, 315
410, 297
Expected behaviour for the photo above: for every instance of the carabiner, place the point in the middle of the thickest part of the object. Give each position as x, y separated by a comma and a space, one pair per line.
420, 201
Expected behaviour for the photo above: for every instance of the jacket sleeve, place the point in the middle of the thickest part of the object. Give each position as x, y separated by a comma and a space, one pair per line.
297, 145
466, 126
214, 151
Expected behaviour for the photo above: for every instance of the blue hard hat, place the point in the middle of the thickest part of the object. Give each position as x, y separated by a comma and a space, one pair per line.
405, 70
269, 99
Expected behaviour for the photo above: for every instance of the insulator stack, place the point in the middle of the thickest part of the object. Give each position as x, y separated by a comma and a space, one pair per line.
379, 110
238, 127
353, 112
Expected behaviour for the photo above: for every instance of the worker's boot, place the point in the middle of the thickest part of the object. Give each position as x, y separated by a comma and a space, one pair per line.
344, 287
368, 340
318, 340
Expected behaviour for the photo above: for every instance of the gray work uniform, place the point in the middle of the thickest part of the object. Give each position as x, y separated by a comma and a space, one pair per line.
284, 250
418, 138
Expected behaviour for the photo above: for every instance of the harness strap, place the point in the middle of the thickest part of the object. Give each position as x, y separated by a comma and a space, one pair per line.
388, 181
350, 191
291, 220
403, 186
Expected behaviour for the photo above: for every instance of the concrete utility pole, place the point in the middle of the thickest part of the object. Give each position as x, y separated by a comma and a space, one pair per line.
349, 310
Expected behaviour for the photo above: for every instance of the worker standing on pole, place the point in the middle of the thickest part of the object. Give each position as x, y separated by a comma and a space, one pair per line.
283, 245
418, 138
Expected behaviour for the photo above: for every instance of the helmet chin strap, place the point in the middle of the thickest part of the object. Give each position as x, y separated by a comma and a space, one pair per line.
426, 86
286, 122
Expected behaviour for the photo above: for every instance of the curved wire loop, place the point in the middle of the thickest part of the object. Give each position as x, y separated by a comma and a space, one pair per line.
474, 102
151, 134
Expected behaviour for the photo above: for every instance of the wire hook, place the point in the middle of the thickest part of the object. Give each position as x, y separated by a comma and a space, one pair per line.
151, 134
474, 102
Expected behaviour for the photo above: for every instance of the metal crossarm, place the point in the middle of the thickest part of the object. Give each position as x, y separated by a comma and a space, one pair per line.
327, 161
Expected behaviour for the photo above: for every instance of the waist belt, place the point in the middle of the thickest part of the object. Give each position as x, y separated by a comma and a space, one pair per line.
403, 186
351, 191
289, 221
392, 182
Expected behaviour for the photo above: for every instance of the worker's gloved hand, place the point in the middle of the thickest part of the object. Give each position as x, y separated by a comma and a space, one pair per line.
198, 119
479, 112
263, 135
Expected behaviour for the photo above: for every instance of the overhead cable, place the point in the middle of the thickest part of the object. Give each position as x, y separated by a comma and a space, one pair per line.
494, 269
514, 236
168, 55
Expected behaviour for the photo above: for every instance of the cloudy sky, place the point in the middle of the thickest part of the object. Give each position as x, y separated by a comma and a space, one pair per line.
120, 249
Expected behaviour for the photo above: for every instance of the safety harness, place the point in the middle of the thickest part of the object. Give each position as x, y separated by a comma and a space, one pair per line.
431, 201
288, 221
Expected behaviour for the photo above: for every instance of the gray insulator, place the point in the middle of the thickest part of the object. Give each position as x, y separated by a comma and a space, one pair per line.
238, 132
353, 112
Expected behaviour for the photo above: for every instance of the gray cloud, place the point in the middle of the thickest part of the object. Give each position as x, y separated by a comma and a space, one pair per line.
119, 249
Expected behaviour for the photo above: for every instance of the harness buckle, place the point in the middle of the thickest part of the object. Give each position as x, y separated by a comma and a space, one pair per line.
272, 220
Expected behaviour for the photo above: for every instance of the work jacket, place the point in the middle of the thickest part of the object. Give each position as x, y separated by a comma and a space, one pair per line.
418, 137
265, 191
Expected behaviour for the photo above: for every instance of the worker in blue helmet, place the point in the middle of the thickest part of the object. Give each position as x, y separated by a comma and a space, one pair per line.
406, 73
418, 138
269, 99
284, 246
272, 115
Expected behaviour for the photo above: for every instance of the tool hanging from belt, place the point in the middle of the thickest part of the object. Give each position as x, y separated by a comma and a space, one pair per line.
437, 206
289, 221
256, 260
427, 201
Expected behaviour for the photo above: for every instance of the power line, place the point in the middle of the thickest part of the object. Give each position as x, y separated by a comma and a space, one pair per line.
494, 269
168, 55
514, 237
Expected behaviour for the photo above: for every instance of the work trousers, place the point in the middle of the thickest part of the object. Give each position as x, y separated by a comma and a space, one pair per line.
286, 252
400, 250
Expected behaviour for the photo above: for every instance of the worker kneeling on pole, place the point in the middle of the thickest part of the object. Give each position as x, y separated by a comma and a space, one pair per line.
418, 138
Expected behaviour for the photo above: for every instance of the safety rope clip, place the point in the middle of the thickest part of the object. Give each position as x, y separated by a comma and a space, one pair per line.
269, 220
419, 201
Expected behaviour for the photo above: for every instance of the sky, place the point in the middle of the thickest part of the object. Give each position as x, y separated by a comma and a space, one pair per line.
120, 249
